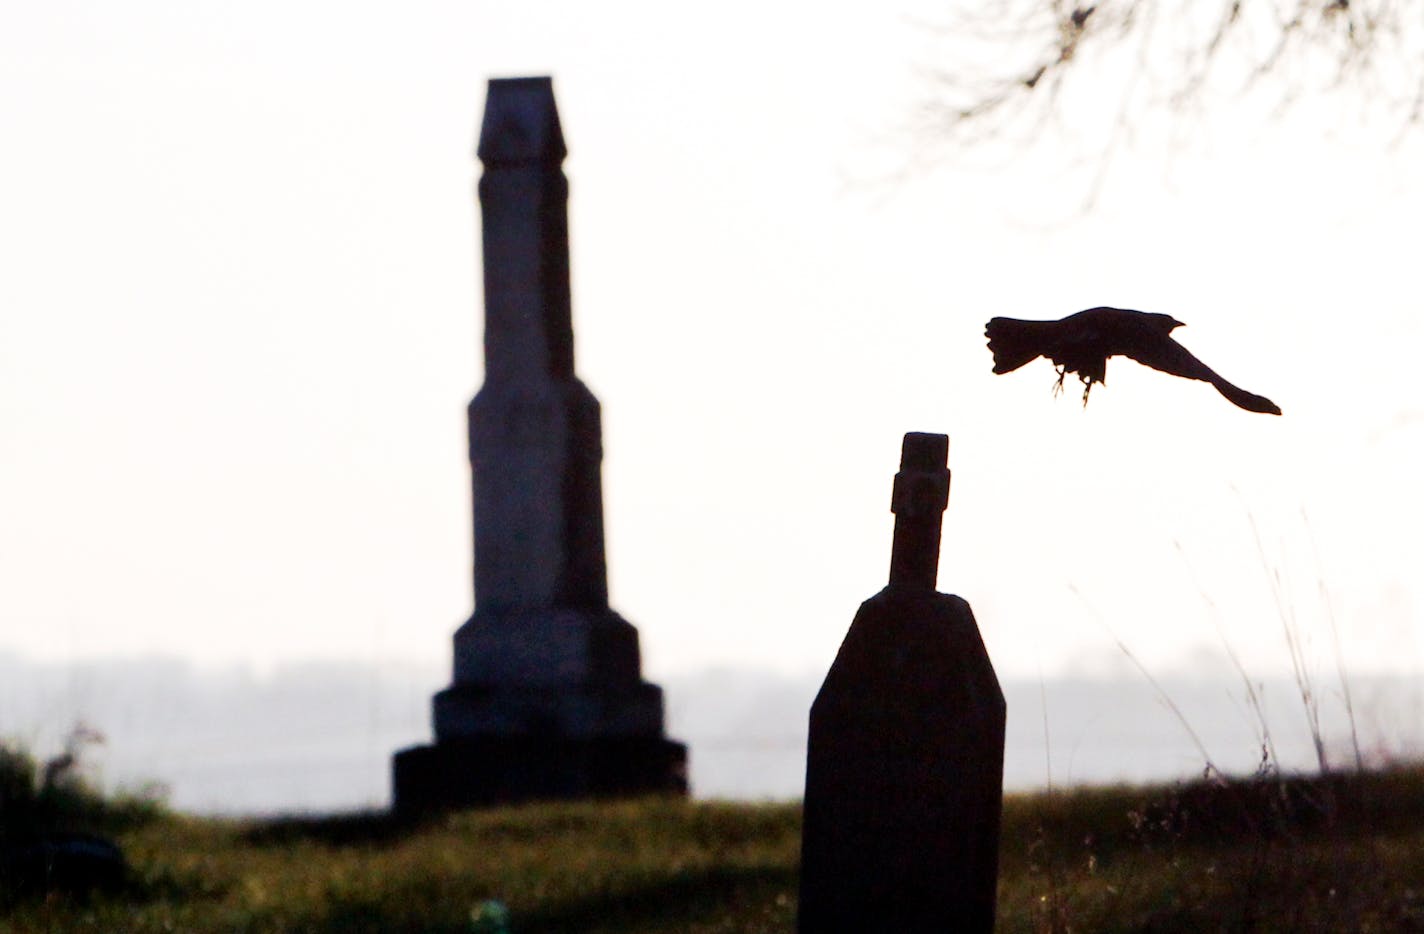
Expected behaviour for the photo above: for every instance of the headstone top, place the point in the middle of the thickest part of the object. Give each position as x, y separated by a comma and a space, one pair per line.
922, 485
918, 500
521, 123
922, 450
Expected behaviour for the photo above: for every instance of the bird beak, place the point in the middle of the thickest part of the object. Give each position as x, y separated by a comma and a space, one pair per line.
1177, 324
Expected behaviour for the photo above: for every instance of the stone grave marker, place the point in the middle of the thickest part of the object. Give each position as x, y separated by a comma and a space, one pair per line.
904, 768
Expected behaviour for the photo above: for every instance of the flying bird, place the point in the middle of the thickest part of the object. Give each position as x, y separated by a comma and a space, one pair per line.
1082, 343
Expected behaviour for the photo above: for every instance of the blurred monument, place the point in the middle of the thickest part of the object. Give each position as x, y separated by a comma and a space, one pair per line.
548, 699
905, 760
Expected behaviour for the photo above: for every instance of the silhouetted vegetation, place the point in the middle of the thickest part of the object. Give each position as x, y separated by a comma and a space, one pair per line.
55, 825
53, 796
1332, 853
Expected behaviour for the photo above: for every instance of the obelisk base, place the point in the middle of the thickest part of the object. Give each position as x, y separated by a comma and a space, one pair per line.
547, 703
492, 770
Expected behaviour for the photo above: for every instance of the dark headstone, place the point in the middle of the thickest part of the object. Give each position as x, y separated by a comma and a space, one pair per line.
904, 768
547, 699
72, 863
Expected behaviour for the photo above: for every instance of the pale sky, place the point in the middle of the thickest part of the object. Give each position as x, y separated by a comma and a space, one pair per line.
240, 321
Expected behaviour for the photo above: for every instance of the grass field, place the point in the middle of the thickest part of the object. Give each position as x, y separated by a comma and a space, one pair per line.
1345, 854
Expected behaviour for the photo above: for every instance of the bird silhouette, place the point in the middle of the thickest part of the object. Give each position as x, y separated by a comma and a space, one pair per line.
1081, 343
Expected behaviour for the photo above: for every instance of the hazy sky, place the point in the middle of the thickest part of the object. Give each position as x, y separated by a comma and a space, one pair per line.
240, 321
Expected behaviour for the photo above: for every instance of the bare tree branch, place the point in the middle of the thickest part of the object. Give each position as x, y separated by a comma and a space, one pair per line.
1004, 70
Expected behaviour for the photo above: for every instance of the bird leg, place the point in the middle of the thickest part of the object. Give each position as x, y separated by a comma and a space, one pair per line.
1058, 386
1087, 388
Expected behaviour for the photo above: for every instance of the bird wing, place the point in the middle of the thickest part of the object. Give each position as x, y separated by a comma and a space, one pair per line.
1165, 354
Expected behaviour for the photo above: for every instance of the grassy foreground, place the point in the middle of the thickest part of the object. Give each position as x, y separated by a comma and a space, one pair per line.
1345, 854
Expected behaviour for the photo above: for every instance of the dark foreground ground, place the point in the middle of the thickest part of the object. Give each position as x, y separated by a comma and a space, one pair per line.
1344, 854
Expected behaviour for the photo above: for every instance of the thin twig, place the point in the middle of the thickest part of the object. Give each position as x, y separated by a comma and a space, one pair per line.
1335, 638
1162, 695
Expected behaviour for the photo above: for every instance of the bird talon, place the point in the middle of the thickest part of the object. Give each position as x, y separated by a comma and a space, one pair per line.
1062, 375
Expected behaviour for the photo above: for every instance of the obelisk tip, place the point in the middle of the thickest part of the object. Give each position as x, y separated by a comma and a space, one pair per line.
521, 123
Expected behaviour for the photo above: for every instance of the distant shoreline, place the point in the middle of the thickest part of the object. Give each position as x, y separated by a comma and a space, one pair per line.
319, 737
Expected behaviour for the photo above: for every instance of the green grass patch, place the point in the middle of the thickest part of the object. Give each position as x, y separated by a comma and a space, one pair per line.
1265, 855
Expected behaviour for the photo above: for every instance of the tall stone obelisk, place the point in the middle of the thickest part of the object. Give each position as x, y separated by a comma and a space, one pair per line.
547, 699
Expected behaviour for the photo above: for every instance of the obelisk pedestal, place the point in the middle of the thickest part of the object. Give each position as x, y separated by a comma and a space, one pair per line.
547, 699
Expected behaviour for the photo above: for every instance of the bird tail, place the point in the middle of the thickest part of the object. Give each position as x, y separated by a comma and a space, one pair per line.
1013, 342
1246, 400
